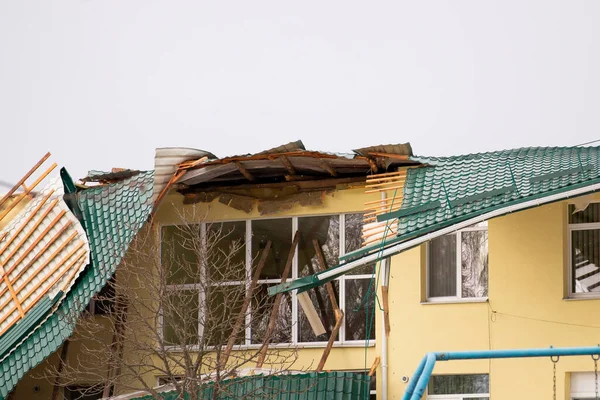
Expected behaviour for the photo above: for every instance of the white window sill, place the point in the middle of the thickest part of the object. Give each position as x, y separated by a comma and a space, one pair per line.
447, 300
579, 296
315, 345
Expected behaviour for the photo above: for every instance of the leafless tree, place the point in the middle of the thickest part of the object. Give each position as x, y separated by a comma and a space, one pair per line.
179, 307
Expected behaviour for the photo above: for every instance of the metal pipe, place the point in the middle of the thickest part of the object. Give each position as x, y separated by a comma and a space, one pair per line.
421, 386
518, 353
413, 382
384, 339
418, 384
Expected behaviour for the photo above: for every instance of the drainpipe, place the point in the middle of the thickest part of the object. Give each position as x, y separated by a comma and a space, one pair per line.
384, 339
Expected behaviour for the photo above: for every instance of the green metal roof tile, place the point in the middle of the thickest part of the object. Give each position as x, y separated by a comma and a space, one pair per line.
112, 215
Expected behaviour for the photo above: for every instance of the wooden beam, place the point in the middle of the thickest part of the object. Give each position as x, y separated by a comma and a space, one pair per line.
328, 168
244, 171
386, 309
311, 313
374, 366
320, 300
323, 266
332, 337
61, 365
30, 188
242, 314
275, 310
23, 179
288, 165
390, 155
306, 185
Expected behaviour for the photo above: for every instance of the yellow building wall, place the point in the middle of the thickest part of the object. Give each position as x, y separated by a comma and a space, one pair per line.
528, 260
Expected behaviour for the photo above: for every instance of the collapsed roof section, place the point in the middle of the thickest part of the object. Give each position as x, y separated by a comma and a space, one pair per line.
56, 254
444, 194
194, 173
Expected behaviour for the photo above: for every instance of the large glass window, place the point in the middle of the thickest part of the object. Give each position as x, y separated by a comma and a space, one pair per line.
584, 239
216, 286
457, 264
459, 387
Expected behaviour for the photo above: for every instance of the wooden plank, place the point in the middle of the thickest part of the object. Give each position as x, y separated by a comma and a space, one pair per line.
27, 295
29, 218
328, 168
288, 165
43, 265
61, 365
30, 188
27, 235
374, 366
244, 171
54, 238
311, 313
386, 310
385, 179
275, 310
23, 179
332, 337
382, 189
400, 171
384, 202
242, 314
390, 155
323, 267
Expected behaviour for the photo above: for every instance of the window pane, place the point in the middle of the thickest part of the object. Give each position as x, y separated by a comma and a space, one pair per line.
180, 316
321, 301
262, 304
226, 247
223, 305
353, 226
181, 250
324, 229
474, 259
279, 231
589, 215
442, 266
459, 384
585, 259
358, 300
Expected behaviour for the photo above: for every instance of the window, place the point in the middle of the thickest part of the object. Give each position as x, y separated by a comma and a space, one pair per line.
459, 387
457, 265
104, 302
83, 392
584, 248
583, 386
218, 284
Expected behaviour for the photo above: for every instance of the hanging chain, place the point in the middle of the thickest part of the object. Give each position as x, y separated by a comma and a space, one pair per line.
554, 361
596, 357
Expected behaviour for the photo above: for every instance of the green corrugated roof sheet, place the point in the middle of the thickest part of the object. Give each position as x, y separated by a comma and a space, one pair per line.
448, 190
308, 386
112, 215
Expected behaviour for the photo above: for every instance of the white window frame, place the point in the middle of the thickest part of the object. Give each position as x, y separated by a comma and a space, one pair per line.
341, 342
458, 297
570, 229
457, 396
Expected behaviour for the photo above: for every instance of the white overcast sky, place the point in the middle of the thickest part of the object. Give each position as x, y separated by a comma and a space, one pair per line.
102, 83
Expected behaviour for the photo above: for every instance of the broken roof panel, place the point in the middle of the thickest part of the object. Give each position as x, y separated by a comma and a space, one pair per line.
42, 251
398, 149
112, 215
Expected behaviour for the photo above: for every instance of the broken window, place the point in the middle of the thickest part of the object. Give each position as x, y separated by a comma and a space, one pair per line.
208, 268
457, 264
584, 243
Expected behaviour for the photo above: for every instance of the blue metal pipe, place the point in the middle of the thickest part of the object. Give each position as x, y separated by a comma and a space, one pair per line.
517, 353
417, 385
424, 378
413, 382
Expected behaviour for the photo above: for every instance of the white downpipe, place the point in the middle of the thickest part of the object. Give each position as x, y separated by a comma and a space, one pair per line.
384, 339
441, 232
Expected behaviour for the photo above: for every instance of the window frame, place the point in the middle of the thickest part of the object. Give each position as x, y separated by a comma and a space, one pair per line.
459, 396
458, 298
570, 229
295, 342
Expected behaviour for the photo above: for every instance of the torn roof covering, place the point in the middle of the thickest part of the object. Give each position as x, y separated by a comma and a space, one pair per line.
283, 163
111, 215
448, 193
